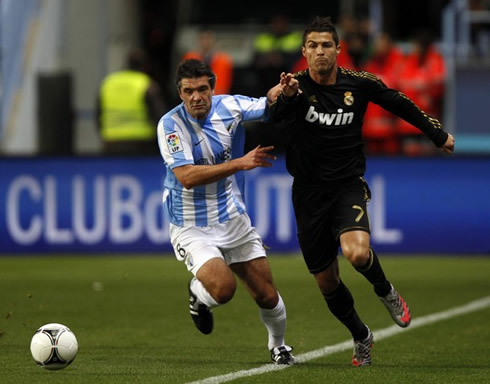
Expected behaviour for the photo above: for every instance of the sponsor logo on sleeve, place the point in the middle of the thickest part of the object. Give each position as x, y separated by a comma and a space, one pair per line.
174, 143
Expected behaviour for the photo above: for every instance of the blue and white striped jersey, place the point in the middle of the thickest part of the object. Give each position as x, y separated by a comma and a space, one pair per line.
216, 139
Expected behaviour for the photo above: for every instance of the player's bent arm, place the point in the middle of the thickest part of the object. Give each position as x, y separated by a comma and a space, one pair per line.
290, 85
191, 176
273, 93
283, 108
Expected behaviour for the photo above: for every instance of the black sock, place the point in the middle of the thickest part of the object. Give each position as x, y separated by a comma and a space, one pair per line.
341, 304
375, 275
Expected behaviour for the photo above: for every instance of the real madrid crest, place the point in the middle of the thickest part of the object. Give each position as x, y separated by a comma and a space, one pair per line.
348, 98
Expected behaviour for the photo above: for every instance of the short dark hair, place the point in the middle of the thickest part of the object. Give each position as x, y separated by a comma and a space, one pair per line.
191, 69
321, 24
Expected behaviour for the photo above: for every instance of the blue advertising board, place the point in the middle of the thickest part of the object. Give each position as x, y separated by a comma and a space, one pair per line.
91, 204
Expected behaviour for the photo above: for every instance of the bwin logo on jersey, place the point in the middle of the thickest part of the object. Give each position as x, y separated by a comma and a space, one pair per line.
338, 118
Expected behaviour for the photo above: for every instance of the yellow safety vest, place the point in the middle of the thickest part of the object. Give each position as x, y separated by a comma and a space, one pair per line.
290, 43
124, 111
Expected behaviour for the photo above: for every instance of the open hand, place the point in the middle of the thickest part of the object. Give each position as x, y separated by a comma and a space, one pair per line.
257, 157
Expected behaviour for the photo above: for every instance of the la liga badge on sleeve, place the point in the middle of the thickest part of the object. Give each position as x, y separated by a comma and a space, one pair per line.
174, 143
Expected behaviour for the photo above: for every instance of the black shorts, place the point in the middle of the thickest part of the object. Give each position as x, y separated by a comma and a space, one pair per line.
324, 213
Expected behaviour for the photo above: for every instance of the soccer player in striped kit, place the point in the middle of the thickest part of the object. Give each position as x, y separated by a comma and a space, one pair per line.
201, 141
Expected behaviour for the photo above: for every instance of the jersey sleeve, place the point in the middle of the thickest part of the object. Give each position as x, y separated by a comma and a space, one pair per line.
173, 141
399, 104
283, 109
252, 109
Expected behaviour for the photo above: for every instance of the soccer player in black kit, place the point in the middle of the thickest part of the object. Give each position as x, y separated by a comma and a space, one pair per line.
322, 109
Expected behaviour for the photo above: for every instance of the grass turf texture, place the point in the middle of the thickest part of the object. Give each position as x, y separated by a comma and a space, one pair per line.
130, 316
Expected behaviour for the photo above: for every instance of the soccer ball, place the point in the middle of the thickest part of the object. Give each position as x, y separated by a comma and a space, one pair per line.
54, 346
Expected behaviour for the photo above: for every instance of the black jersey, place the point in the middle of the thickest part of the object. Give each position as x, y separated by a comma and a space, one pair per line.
323, 124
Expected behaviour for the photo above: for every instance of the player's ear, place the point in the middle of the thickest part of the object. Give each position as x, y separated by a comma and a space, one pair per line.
303, 50
180, 94
212, 82
178, 86
338, 49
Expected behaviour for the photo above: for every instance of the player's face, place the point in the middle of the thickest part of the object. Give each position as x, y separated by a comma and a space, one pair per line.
320, 51
196, 94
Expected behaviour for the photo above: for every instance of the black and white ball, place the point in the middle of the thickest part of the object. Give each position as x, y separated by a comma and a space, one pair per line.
54, 346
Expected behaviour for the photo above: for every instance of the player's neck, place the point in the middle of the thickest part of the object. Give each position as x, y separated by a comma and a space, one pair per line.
325, 78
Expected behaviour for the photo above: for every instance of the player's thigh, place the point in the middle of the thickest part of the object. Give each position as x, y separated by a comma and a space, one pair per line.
248, 260
198, 249
316, 238
318, 246
351, 221
257, 278
255, 273
350, 213
217, 277
355, 247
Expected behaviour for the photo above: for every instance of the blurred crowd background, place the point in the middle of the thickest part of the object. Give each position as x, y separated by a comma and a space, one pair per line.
57, 57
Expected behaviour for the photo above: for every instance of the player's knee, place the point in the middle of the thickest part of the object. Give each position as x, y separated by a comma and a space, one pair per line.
224, 291
328, 286
328, 280
267, 299
357, 255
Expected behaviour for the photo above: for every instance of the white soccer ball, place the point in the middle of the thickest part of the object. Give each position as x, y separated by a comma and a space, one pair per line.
54, 346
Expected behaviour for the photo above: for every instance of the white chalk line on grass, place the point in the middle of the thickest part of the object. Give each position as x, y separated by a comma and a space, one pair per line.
379, 334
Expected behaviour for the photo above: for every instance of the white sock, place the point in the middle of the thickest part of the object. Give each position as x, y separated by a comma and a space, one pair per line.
202, 294
275, 321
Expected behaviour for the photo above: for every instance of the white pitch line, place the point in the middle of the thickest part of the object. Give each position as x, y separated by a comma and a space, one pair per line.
379, 334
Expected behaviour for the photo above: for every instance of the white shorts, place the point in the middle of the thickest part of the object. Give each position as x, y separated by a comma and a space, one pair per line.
234, 241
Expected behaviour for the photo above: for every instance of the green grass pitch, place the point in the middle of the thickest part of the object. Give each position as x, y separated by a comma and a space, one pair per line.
130, 316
